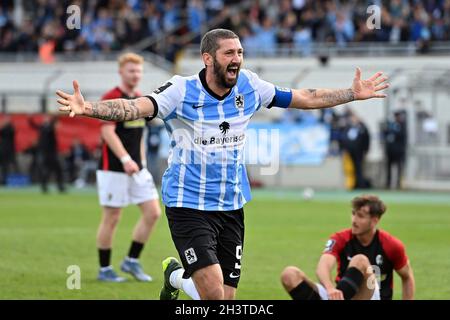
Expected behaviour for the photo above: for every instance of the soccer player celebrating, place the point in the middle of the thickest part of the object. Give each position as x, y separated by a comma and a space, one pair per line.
205, 186
123, 178
361, 253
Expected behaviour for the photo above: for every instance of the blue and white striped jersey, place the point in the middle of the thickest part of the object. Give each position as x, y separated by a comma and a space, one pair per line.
206, 167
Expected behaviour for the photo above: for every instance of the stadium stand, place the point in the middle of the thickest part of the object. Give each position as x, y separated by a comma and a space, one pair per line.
265, 25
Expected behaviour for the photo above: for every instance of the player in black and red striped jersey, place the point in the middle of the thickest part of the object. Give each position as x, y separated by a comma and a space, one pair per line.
123, 178
365, 257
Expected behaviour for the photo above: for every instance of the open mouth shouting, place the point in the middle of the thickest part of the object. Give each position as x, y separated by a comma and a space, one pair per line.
232, 71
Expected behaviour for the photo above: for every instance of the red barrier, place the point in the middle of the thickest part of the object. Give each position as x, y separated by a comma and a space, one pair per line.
67, 130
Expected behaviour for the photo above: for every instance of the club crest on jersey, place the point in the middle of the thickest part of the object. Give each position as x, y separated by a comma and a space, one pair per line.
190, 255
329, 246
379, 260
239, 101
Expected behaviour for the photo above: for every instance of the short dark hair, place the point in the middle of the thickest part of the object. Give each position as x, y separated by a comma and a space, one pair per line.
375, 205
210, 41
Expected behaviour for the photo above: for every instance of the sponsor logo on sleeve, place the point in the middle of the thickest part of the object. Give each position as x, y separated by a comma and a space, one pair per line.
329, 246
163, 87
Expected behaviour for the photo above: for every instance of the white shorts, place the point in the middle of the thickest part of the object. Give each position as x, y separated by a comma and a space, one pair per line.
324, 295
117, 189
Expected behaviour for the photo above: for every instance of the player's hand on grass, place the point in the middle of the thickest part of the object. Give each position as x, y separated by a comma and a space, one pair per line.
130, 167
335, 294
71, 103
370, 88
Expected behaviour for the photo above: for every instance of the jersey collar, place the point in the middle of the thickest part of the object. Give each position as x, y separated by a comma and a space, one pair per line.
375, 236
202, 76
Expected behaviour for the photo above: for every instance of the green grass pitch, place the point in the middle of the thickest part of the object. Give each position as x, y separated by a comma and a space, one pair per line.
41, 235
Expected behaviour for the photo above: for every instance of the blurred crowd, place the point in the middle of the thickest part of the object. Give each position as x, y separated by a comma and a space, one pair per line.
300, 23
107, 25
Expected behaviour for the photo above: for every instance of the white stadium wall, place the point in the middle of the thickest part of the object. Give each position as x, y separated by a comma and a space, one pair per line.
24, 82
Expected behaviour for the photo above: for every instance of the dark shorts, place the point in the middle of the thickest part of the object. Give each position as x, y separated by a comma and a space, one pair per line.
204, 238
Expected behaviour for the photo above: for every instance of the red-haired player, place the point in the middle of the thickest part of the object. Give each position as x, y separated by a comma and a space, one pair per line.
123, 178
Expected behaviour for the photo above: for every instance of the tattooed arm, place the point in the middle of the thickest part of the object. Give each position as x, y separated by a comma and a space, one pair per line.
320, 98
325, 98
112, 110
116, 109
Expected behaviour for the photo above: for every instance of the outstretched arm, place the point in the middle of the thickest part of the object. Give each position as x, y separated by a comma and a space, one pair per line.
326, 98
111, 110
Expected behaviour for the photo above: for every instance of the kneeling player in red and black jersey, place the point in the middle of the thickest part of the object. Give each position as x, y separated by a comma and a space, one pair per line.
365, 256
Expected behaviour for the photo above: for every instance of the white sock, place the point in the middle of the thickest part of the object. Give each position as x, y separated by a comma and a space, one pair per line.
189, 288
106, 268
187, 285
176, 277
131, 259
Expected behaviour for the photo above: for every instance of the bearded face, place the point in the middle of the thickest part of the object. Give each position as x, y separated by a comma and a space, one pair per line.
227, 74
